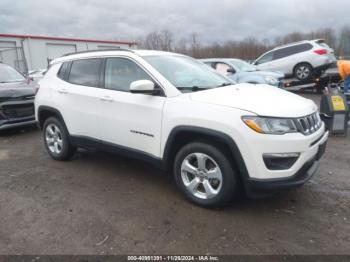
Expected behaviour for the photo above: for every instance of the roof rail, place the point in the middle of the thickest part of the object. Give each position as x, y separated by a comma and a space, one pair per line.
291, 43
97, 50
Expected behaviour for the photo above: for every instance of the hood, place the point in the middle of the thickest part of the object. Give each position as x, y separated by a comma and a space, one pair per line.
262, 100
11, 91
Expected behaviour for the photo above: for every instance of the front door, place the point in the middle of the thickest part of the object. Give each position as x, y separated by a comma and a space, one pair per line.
125, 119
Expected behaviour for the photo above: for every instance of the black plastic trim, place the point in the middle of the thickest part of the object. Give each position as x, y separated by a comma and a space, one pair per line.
238, 159
300, 178
88, 142
52, 110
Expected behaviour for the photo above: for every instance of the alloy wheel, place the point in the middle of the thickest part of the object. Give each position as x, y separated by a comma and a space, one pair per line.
54, 139
201, 175
303, 72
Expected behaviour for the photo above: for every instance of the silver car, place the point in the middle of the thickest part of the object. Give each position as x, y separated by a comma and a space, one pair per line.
303, 60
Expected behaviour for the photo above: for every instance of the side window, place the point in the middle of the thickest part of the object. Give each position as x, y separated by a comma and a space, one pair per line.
85, 72
63, 69
266, 58
291, 50
210, 64
281, 53
222, 68
121, 72
303, 48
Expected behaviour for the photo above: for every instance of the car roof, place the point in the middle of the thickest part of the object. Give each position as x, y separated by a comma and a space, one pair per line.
110, 52
299, 42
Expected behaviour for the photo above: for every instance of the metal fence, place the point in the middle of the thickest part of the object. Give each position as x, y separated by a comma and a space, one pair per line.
13, 56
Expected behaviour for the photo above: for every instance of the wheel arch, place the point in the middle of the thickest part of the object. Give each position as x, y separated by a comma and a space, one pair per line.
300, 63
44, 112
181, 135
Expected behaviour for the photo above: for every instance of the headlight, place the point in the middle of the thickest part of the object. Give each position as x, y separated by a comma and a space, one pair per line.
269, 125
271, 80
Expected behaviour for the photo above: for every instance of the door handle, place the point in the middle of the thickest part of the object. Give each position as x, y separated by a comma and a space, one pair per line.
106, 99
62, 91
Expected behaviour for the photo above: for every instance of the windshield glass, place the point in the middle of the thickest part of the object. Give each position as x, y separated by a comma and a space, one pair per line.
9, 75
186, 73
243, 65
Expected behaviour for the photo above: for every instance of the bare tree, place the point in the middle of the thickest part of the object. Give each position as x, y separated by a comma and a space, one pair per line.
248, 49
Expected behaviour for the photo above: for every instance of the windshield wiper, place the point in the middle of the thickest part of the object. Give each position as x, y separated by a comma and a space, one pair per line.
226, 84
192, 88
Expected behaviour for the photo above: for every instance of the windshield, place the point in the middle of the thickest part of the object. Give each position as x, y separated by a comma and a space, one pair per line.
186, 73
9, 75
243, 66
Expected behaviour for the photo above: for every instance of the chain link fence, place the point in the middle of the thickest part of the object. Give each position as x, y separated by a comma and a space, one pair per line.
13, 56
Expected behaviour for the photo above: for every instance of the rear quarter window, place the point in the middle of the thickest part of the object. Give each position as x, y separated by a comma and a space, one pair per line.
63, 70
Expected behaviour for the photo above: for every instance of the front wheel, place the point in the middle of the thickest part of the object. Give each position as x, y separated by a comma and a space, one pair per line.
204, 174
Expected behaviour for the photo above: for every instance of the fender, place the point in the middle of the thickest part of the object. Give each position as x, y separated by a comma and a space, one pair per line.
51, 110
171, 141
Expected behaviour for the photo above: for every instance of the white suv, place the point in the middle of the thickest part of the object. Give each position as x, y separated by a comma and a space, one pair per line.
177, 113
302, 60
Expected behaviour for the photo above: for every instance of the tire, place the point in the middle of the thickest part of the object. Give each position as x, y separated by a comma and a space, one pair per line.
193, 176
56, 140
303, 71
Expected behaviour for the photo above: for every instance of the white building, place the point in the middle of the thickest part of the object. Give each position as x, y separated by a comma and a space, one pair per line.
28, 52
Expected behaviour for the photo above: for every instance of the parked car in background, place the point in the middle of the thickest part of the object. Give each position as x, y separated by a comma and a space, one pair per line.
242, 72
36, 75
16, 98
175, 112
303, 60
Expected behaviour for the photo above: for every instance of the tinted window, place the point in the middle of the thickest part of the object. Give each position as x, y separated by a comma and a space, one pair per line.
85, 72
121, 72
61, 73
292, 50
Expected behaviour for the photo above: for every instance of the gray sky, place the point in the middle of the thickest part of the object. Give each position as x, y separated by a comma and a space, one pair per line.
212, 20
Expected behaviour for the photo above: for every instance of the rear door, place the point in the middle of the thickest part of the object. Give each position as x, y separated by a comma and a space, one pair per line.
77, 95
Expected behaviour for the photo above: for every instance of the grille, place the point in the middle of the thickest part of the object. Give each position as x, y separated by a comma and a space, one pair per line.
309, 124
18, 111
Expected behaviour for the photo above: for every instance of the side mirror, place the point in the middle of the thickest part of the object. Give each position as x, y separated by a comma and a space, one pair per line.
142, 87
231, 70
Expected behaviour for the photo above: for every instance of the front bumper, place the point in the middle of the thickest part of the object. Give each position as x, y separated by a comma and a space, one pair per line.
262, 187
16, 113
11, 124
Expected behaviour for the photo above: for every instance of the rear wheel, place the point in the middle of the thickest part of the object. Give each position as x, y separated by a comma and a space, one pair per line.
303, 71
204, 174
56, 139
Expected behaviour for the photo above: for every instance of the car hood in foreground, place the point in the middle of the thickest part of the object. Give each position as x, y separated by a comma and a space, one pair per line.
262, 100
12, 91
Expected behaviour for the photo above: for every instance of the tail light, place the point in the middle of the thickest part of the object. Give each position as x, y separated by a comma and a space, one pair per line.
321, 51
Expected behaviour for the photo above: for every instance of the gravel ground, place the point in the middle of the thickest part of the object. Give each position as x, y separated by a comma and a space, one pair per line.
105, 204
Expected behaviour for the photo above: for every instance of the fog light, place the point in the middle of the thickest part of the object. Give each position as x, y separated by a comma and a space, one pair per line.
280, 161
